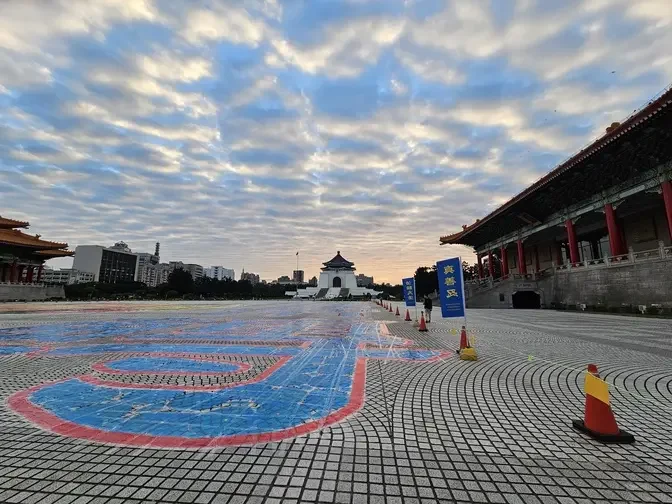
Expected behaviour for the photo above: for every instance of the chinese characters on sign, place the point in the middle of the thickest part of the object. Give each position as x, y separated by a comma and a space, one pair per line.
451, 287
409, 291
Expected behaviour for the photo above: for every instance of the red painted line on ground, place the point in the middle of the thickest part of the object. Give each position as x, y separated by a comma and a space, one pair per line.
41, 350
20, 402
93, 380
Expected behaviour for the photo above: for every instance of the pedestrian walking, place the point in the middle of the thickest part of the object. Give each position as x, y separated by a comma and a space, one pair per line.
428, 309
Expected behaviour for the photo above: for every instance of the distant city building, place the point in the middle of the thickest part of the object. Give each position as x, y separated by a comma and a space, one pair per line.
219, 273
147, 267
312, 282
148, 274
250, 277
108, 264
164, 270
284, 280
363, 280
66, 276
297, 276
195, 270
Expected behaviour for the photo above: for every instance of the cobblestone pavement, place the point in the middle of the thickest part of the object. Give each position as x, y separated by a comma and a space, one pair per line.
324, 402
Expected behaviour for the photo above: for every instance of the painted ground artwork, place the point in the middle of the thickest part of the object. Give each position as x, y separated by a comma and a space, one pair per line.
208, 381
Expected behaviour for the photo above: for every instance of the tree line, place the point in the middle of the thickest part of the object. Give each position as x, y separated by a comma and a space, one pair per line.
426, 281
181, 285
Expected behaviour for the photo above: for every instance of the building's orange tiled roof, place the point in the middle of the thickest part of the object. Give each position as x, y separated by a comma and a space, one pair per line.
19, 239
613, 133
6, 223
55, 253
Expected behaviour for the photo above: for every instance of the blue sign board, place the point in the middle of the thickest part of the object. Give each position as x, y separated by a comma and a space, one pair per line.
451, 287
409, 290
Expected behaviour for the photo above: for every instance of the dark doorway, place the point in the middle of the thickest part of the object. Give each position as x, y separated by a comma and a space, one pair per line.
337, 282
526, 300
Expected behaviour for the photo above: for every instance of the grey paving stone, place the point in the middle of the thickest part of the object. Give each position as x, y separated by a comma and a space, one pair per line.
492, 431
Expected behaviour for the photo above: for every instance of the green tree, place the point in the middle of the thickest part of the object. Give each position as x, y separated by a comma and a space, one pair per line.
426, 281
181, 281
469, 271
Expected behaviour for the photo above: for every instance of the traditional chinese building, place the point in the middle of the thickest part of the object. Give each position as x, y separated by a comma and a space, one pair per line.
22, 258
595, 231
337, 280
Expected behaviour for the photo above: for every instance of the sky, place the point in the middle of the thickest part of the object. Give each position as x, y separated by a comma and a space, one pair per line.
239, 132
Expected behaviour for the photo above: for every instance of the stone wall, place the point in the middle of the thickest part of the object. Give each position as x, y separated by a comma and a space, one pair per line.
641, 283
634, 284
12, 292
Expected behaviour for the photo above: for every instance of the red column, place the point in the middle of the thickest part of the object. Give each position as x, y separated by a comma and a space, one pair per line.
522, 267
573, 244
12, 273
537, 265
614, 232
39, 273
29, 275
491, 264
667, 198
505, 261
558, 254
480, 266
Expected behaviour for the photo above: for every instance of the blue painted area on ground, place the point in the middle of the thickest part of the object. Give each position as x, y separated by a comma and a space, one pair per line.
316, 381
176, 348
398, 353
170, 364
310, 386
9, 350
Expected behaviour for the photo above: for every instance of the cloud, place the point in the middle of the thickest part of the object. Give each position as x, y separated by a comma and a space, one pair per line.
237, 132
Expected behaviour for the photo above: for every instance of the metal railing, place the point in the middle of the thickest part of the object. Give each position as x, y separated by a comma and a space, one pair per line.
630, 258
24, 284
479, 285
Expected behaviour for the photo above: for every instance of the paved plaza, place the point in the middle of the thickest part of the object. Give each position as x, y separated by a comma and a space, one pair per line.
294, 401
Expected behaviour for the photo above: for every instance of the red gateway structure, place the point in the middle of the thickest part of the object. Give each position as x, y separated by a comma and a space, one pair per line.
597, 230
22, 258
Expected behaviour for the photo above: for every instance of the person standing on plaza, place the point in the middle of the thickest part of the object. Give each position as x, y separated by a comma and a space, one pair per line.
428, 309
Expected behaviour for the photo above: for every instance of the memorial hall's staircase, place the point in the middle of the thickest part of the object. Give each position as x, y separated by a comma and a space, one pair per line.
333, 293
321, 293
344, 293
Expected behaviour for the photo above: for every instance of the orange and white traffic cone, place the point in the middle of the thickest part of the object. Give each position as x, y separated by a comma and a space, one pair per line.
423, 326
598, 419
397, 312
467, 352
463, 339
390, 308
408, 316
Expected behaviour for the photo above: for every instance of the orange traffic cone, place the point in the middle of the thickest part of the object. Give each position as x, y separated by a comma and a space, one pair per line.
390, 309
464, 343
467, 352
423, 326
598, 419
408, 316
397, 312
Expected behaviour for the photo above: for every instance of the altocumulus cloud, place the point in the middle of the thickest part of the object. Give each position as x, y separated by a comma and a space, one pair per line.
237, 132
